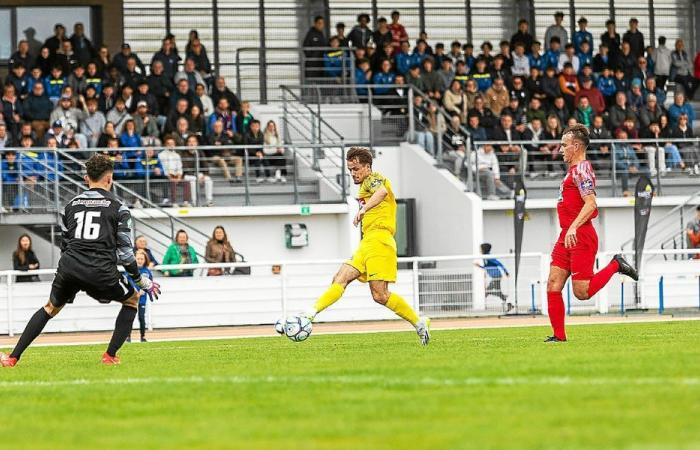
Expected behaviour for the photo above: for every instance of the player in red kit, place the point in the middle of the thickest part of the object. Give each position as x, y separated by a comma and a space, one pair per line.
575, 250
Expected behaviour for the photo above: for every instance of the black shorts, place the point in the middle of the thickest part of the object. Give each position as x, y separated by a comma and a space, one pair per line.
66, 285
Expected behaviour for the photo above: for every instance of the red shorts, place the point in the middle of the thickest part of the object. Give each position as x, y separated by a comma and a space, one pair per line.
580, 259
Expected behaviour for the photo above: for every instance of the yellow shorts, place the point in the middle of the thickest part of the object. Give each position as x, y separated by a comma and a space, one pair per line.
375, 258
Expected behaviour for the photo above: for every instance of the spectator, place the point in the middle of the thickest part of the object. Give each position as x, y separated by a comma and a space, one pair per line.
581, 36
244, 118
12, 110
550, 85
182, 132
602, 59
120, 60
431, 80
180, 252
468, 55
497, 97
600, 152
190, 74
195, 168
662, 66
103, 60
612, 40
635, 99
672, 154
24, 259
641, 71
92, 123
226, 155
22, 55
143, 263
220, 90
522, 36
626, 161
118, 115
627, 61
172, 166
108, 132
129, 138
693, 233
65, 57
455, 141
340, 34
84, 51
147, 166
471, 92
569, 57
682, 69
361, 34
219, 250
398, 32
422, 126
254, 141
10, 178
384, 77
568, 83
19, 79
535, 111
556, 30
481, 75
510, 154
146, 125
54, 42
197, 124
198, 54
447, 74
315, 39
116, 79
650, 87
549, 153
143, 95
506, 55
44, 61
275, 151
420, 52
122, 163
5, 137
182, 92
107, 99
635, 38
518, 114
584, 112
54, 83
594, 96
521, 62
334, 60
498, 70
689, 150
680, 106
77, 79
141, 244
650, 113
160, 86
382, 34
179, 112
486, 118
223, 114
455, 102
654, 150
619, 111
363, 75
67, 114
486, 167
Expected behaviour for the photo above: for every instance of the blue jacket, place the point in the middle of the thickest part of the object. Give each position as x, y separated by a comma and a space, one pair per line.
229, 122
383, 78
31, 81
404, 61
675, 111
551, 59
660, 96
606, 86
537, 61
129, 141
39, 164
580, 36
143, 165
494, 267
361, 78
122, 169
54, 86
419, 57
10, 174
333, 63
483, 80
584, 59
470, 61
145, 272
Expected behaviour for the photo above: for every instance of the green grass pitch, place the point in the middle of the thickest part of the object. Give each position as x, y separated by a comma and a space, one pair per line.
632, 386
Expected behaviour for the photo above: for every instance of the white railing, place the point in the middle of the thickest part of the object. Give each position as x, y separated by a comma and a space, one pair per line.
443, 286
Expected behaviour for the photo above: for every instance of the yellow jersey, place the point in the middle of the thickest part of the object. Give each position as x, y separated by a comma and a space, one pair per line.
382, 216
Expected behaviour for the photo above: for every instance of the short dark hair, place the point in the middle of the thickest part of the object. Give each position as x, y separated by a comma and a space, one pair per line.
579, 132
361, 154
317, 18
97, 166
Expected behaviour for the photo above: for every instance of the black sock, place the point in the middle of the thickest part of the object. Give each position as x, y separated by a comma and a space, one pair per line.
122, 329
31, 331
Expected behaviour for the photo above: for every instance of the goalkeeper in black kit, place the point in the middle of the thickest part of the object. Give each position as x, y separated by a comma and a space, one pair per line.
96, 230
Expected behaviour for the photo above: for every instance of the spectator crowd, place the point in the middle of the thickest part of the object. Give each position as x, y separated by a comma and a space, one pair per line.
618, 85
73, 95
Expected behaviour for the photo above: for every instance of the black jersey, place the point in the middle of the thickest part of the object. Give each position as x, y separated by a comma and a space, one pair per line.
96, 237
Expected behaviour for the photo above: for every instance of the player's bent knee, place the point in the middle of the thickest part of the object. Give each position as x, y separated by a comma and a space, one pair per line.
380, 297
581, 292
52, 310
132, 302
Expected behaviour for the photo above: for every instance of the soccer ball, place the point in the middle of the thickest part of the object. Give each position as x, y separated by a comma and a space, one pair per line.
297, 328
279, 326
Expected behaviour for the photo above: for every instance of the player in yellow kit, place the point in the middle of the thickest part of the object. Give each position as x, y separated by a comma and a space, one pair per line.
375, 259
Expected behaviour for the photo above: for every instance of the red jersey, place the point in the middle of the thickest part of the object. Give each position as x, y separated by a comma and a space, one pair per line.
578, 182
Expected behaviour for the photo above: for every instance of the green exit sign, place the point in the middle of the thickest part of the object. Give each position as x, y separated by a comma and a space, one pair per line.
305, 210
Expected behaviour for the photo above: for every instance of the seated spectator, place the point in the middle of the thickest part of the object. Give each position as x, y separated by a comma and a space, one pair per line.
414, 77
182, 91
24, 259
93, 77
626, 60
454, 100
518, 114
499, 70
602, 59
198, 53
172, 166
143, 95
207, 106
533, 86
693, 233
180, 252
108, 132
635, 99
482, 75
651, 112
161, 86
455, 142
195, 168
182, 132
584, 112
485, 165
334, 60
534, 132
655, 151
197, 123
599, 153
219, 250
471, 91
550, 85
553, 53
384, 77
431, 80
254, 141
521, 62
37, 110
107, 98
146, 125
622, 83
641, 70
77, 80
462, 75
548, 154
476, 131
121, 59
190, 74
12, 109
54, 83
122, 163
222, 158
129, 138
595, 97
58, 134
128, 96
403, 60
220, 91
535, 111
447, 74
569, 57
19, 79
274, 151
619, 111
585, 57
167, 57
650, 87
44, 61
688, 150
560, 109
626, 161
115, 78
223, 114
118, 115
568, 83
93, 123
422, 125
181, 111
680, 106
497, 96
148, 167
509, 155
244, 118
141, 244
486, 118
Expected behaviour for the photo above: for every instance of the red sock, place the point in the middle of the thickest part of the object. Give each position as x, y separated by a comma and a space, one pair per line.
600, 279
555, 307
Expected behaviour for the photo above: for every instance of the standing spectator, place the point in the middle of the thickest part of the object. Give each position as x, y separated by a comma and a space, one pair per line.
160, 86
92, 123
361, 34
635, 38
255, 140
693, 233
522, 36
54, 42
244, 118
682, 69
340, 34
398, 32
84, 51
382, 34
582, 35
220, 90
611, 39
196, 172
167, 57
22, 55
680, 106
315, 39
626, 60
219, 250
120, 60
275, 151
172, 165
143, 263
556, 30
12, 109
662, 66
141, 244
24, 259
180, 252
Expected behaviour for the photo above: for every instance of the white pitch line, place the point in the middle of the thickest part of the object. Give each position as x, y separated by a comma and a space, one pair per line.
357, 380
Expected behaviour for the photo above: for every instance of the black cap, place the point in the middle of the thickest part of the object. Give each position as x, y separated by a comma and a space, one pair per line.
126, 45
558, 14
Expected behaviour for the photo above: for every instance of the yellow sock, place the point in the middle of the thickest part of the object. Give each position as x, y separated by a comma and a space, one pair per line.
402, 309
332, 295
